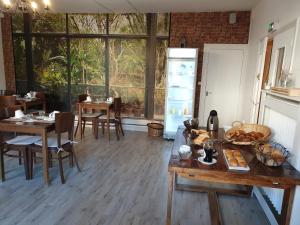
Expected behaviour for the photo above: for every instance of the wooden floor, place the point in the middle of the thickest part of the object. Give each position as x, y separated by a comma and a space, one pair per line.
123, 182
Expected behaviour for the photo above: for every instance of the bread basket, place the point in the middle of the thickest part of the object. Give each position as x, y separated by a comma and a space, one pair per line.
269, 159
237, 126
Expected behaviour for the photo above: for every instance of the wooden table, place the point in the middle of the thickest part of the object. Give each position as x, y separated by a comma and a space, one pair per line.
94, 106
285, 177
27, 103
39, 128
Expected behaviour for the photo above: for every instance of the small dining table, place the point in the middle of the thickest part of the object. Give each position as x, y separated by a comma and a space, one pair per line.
39, 128
27, 103
285, 177
99, 106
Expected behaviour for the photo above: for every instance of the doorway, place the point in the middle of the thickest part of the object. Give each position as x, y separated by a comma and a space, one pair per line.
223, 68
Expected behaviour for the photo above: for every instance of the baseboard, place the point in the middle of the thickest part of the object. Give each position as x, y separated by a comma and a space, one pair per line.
264, 206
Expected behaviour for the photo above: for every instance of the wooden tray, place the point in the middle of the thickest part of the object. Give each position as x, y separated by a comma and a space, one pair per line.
286, 91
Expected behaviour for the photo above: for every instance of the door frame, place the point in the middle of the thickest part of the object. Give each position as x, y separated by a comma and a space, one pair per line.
206, 51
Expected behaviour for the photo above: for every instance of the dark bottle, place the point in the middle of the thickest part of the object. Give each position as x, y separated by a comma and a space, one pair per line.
213, 121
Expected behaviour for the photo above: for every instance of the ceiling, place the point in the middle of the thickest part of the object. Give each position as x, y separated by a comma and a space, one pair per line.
148, 6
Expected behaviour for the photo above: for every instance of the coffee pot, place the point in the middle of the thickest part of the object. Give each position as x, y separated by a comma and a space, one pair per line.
212, 121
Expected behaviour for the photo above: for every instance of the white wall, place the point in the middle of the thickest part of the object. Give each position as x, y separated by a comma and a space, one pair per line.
282, 11
2, 74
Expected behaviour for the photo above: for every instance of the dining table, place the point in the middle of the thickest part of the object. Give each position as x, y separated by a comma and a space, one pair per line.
97, 106
27, 103
31, 126
285, 177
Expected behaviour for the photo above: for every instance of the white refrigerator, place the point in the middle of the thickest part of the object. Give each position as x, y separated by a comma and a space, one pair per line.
180, 88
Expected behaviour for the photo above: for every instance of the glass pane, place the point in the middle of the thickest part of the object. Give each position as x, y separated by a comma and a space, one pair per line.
49, 23
127, 74
87, 68
20, 64
160, 78
50, 70
163, 22
127, 24
17, 23
87, 23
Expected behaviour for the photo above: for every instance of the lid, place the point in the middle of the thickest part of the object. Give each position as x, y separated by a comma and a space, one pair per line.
213, 113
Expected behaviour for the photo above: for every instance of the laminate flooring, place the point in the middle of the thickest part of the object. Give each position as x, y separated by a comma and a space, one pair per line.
122, 183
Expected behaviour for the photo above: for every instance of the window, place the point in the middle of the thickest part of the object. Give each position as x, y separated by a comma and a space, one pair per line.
127, 74
127, 24
49, 23
20, 64
50, 70
87, 67
104, 54
87, 23
160, 78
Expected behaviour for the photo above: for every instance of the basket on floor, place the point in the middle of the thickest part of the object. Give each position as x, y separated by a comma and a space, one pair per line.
155, 129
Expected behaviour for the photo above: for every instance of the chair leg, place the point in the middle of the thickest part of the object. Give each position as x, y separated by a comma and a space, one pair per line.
71, 162
120, 123
117, 131
31, 158
83, 128
50, 160
103, 127
76, 129
61, 170
26, 165
75, 159
2, 163
20, 158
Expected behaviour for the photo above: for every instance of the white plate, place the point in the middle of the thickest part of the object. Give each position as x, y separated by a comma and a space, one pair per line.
201, 159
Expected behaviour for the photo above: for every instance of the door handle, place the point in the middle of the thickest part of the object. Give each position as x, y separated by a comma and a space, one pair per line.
208, 93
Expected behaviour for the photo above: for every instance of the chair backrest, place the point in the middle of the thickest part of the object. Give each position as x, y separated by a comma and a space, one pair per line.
41, 95
64, 122
7, 101
6, 112
117, 107
82, 97
6, 92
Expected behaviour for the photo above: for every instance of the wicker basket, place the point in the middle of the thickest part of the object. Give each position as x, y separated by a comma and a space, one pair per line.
248, 128
155, 129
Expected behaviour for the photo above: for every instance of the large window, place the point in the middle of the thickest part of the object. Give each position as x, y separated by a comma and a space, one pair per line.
103, 54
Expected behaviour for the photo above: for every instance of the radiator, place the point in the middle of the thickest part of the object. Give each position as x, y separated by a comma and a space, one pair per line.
283, 131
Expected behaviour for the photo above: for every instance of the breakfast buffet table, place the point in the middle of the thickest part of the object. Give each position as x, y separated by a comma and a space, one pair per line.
284, 177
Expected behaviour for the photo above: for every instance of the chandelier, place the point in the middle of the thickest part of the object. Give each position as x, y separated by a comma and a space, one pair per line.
24, 6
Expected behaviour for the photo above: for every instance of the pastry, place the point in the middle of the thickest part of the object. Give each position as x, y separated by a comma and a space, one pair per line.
243, 164
198, 132
201, 139
233, 162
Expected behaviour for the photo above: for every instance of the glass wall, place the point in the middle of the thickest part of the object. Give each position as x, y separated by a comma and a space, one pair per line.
103, 54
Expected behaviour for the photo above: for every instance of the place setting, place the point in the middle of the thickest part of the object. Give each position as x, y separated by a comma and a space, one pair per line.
39, 116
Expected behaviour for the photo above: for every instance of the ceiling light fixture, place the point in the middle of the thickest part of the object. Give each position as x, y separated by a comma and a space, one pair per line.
24, 6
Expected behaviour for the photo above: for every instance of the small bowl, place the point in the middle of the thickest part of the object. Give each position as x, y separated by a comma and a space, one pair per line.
185, 152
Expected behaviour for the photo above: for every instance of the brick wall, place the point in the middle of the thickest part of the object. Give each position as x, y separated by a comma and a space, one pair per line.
207, 27
8, 53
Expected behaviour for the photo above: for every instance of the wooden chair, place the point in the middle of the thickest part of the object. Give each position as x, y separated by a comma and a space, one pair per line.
87, 116
11, 143
6, 101
64, 123
116, 118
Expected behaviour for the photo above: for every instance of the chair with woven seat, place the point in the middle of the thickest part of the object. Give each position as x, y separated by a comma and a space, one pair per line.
64, 123
11, 143
87, 116
116, 118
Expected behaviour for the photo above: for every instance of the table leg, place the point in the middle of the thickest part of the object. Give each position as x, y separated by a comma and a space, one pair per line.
287, 205
45, 157
170, 196
215, 215
107, 121
2, 174
79, 121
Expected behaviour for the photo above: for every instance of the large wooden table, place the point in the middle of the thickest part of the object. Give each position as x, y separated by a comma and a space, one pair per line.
28, 103
39, 128
285, 177
101, 106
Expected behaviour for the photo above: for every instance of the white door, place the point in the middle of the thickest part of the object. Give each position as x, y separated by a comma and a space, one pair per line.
223, 67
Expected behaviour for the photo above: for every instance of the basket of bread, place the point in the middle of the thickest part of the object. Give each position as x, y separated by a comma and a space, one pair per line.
193, 135
247, 134
271, 154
